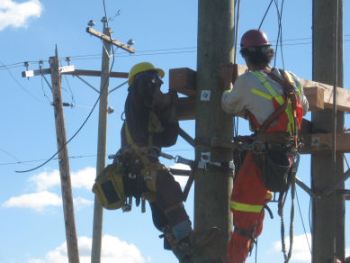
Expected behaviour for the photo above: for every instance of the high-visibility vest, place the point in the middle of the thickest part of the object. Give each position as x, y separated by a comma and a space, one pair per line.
290, 120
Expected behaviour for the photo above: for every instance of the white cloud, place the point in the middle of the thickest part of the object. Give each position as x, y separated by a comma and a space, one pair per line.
17, 14
41, 200
84, 178
182, 180
113, 250
301, 252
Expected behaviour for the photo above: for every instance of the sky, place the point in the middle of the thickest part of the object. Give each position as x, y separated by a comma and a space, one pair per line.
165, 33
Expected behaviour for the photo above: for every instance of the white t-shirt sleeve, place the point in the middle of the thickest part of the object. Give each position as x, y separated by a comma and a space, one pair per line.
232, 100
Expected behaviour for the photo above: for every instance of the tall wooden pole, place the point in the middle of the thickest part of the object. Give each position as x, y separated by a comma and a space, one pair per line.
328, 211
101, 147
212, 183
68, 209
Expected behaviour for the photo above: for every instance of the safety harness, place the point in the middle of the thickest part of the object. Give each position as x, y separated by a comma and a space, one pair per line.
279, 134
288, 113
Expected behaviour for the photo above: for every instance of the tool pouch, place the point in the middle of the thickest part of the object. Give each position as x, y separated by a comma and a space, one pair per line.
277, 167
109, 188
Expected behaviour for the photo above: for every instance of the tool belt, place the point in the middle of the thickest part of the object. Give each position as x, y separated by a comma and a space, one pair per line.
128, 176
276, 155
277, 159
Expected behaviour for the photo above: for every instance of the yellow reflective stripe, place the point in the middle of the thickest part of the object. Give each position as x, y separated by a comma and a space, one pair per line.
245, 207
261, 94
268, 86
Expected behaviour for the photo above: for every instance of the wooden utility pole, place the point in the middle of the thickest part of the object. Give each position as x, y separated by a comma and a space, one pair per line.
213, 126
101, 147
68, 209
328, 211
102, 126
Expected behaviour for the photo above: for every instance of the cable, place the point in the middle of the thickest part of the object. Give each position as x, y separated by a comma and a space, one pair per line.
105, 12
68, 141
40, 160
9, 154
19, 84
117, 87
267, 10
302, 220
237, 10
279, 18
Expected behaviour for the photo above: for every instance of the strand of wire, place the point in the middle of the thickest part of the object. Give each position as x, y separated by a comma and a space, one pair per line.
167, 51
79, 129
19, 84
302, 221
335, 84
105, 12
237, 13
40, 160
279, 34
265, 14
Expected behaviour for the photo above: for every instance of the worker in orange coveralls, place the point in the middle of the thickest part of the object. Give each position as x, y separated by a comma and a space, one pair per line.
274, 103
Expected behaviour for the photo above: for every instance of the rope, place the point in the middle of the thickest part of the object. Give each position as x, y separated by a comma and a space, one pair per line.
288, 255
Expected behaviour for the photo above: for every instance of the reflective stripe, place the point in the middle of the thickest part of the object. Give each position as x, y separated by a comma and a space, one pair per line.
268, 86
261, 94
280, 100
245, 207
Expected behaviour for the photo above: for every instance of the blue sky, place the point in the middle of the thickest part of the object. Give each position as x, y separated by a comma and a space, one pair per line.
165, 33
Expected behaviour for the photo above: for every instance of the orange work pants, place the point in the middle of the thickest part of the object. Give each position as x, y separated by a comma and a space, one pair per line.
248, 195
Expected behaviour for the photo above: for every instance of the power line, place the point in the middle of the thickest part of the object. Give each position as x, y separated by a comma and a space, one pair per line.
19, 84
40, 160
164, 51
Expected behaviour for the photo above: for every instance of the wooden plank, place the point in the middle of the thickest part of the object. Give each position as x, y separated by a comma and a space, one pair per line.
315, 96
96, 73
107, 38
186, 108
343, 95
320, 142
183, 80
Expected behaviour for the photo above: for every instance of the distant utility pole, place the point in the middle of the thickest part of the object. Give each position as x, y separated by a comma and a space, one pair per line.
68, 209
328, 211
213, 127
102, 126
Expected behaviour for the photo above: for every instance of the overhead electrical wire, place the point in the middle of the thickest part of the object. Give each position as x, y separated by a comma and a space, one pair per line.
165, 51
40, 160
19, 84
78, 130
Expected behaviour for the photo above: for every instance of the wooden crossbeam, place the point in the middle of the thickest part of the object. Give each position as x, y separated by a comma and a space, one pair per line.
319, 95
107, 38
70, 70
321, 142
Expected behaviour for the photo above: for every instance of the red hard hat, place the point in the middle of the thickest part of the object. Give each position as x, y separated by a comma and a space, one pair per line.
254, 38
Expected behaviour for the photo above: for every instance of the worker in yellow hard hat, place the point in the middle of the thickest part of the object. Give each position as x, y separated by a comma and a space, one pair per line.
150, 124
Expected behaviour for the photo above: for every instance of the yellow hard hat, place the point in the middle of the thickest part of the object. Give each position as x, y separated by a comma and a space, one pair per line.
142, 67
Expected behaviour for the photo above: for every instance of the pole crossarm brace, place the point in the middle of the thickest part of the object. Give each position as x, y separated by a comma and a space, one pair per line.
37, 72
70, 70
108, 39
